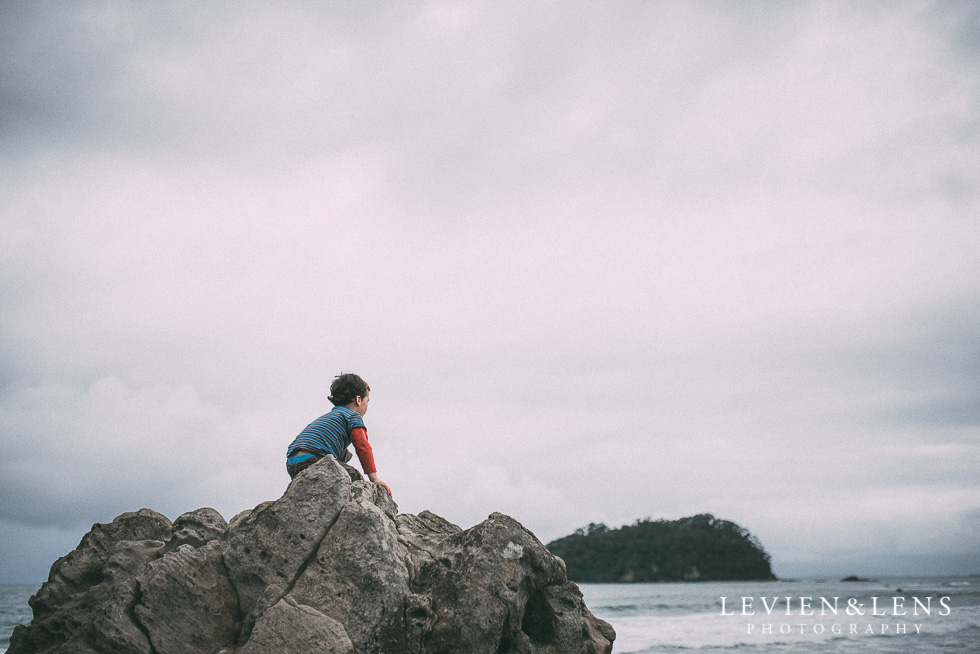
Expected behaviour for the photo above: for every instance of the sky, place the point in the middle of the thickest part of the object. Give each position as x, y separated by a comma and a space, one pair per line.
599, 262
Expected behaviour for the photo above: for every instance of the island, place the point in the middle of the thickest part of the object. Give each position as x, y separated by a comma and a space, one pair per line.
698, 548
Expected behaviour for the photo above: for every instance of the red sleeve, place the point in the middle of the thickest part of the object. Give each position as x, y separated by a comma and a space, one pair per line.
365, 454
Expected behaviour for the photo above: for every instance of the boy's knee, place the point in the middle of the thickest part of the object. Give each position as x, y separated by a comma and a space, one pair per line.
355, 474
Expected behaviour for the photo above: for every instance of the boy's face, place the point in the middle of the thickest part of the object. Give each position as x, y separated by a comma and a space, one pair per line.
360, 404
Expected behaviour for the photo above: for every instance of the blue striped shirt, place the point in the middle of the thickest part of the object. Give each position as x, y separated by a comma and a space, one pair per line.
330, 433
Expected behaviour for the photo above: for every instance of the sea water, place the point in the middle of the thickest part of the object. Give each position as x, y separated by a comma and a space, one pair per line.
793, 616
14, 610
683, 617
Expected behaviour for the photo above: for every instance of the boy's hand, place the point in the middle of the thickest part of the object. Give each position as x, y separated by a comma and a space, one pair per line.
373, 476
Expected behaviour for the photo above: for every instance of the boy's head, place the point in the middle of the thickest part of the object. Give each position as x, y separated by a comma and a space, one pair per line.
346, 388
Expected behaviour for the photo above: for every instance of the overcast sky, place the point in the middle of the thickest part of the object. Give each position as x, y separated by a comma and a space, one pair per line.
598, 262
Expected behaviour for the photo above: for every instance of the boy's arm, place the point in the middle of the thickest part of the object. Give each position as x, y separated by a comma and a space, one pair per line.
358, 436
365, 455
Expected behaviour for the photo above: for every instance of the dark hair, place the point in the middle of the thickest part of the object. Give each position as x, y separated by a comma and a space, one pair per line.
346, 387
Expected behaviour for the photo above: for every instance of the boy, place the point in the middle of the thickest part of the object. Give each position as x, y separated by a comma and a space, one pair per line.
333, 432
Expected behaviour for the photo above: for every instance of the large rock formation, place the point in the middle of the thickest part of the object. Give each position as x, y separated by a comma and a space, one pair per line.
329, 567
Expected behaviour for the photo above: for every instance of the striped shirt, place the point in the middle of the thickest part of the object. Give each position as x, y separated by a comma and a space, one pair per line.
330, 433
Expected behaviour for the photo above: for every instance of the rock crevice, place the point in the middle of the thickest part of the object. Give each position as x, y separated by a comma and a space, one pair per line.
330, 567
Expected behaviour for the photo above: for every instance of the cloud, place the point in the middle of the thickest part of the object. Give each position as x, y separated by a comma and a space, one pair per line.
72, 454
597, 264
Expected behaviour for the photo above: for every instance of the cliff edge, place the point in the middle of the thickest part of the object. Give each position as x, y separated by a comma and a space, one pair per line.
331, 566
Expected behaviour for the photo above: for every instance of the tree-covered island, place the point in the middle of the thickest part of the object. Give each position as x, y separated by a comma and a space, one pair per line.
699, 548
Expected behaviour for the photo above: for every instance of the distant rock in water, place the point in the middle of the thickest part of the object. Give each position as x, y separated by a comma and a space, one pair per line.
329, 567
699, 548
854, 578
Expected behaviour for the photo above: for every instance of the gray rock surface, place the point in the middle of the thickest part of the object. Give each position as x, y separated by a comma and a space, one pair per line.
291, 627
331, 566
188, 587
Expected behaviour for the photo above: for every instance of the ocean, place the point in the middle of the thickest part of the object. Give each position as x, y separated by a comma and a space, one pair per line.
689, 617
14, 610
793, 616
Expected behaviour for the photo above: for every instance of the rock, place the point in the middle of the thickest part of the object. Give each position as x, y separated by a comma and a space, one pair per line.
188, 587
198, 528
358, 575
247, 512
291, 627
97, 619
331, 566
267, 548
82, 568
87, 602
480, 582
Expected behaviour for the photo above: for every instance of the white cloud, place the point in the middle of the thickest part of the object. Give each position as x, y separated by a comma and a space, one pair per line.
597, 264
73, 454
